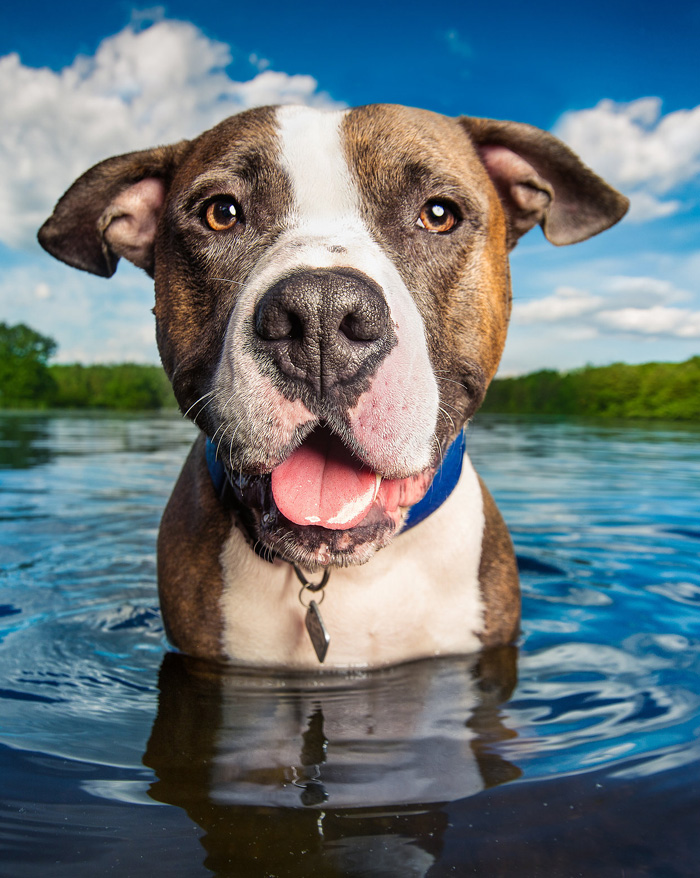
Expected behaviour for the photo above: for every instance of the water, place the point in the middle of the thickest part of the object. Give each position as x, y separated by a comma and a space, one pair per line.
575, 754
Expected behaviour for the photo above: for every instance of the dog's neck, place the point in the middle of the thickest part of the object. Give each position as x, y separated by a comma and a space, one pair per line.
444, 481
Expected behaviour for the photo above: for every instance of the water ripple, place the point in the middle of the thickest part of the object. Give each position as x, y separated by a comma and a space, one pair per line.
605, 684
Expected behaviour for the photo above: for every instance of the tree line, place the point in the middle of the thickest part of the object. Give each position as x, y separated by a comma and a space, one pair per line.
659, 391
28, 381
662, 391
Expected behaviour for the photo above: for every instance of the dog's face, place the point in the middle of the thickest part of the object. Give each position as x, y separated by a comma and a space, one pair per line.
332, 295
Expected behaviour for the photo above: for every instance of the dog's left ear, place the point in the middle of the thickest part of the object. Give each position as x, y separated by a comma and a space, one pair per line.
541, 181
113, 211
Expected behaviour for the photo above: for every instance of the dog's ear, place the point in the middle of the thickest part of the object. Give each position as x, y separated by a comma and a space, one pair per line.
540, 180
112, 211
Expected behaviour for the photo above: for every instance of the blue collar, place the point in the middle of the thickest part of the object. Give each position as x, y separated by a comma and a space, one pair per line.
443, 484
444, 481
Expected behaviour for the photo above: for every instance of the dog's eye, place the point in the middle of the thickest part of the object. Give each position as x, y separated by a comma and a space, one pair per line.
222, 214
437, 216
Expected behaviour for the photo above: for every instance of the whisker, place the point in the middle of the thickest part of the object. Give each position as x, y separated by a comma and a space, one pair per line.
202, 410
197, 401
230, 447
222, 426
228, 281
221, 438
456, 410
439, 449
451, 381
447, 415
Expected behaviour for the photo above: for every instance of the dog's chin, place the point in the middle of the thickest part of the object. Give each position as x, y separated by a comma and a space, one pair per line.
310, 546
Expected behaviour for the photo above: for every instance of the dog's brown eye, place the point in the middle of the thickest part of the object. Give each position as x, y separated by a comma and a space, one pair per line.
222, 214
437, 216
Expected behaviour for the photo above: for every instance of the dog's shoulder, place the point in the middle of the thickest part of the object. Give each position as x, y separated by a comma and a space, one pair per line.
498, 577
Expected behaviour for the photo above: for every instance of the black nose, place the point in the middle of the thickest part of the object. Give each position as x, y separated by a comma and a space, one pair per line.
324, 327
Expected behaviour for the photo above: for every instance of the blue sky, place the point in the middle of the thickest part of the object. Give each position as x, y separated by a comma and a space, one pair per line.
619, 82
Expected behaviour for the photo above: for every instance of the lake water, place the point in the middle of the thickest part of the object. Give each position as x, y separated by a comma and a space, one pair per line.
575, 754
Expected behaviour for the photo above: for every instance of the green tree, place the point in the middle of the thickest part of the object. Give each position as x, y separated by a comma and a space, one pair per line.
25, 377
122, 386
664, 391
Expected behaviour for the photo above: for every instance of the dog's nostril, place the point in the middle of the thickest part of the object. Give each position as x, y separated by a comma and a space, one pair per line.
275, 322
360, 326
295, 327
348, 328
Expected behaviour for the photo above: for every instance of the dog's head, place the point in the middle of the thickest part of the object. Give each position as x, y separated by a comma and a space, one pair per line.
332, 294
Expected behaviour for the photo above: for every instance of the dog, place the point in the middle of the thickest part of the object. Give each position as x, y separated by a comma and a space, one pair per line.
332, 294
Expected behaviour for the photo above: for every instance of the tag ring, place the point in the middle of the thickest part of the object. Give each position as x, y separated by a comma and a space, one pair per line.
312, 586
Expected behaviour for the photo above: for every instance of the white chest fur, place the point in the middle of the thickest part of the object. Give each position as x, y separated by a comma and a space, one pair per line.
418, 597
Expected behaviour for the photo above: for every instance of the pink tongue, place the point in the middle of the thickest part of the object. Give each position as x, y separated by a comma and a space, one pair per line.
322, 483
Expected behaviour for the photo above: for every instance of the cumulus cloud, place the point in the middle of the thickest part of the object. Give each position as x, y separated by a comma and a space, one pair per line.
659, 320
141, 87
638, 149
564, 304
642, 291
644, 207
628, 305
94, 320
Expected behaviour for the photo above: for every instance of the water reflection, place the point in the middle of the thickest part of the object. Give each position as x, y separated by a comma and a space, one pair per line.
24, 441
340, 776
36, 439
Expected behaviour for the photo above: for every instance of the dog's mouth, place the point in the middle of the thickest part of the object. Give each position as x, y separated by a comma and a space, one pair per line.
322, 483
323, 506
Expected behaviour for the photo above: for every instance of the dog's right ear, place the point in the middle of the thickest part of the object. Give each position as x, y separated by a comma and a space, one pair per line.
112, 211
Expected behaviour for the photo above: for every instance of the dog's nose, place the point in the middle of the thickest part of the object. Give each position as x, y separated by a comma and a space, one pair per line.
324, 327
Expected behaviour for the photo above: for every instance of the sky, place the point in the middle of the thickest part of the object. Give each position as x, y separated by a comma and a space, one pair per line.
618, 81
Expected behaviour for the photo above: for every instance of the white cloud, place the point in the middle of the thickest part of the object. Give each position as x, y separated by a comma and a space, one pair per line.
258, 62
658, 321
564, 304
141, 88
644, 207
641, 291
634, 147
94, 320
628, 305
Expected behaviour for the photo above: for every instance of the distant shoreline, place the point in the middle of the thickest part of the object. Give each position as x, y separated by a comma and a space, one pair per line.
651, 391
127, 387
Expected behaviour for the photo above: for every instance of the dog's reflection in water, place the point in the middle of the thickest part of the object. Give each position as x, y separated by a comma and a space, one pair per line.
328, 775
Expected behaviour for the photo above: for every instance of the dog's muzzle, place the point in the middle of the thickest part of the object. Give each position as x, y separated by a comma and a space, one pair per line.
326, 337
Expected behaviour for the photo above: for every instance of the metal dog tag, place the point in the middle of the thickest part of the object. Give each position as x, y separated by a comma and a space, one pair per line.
320, 638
